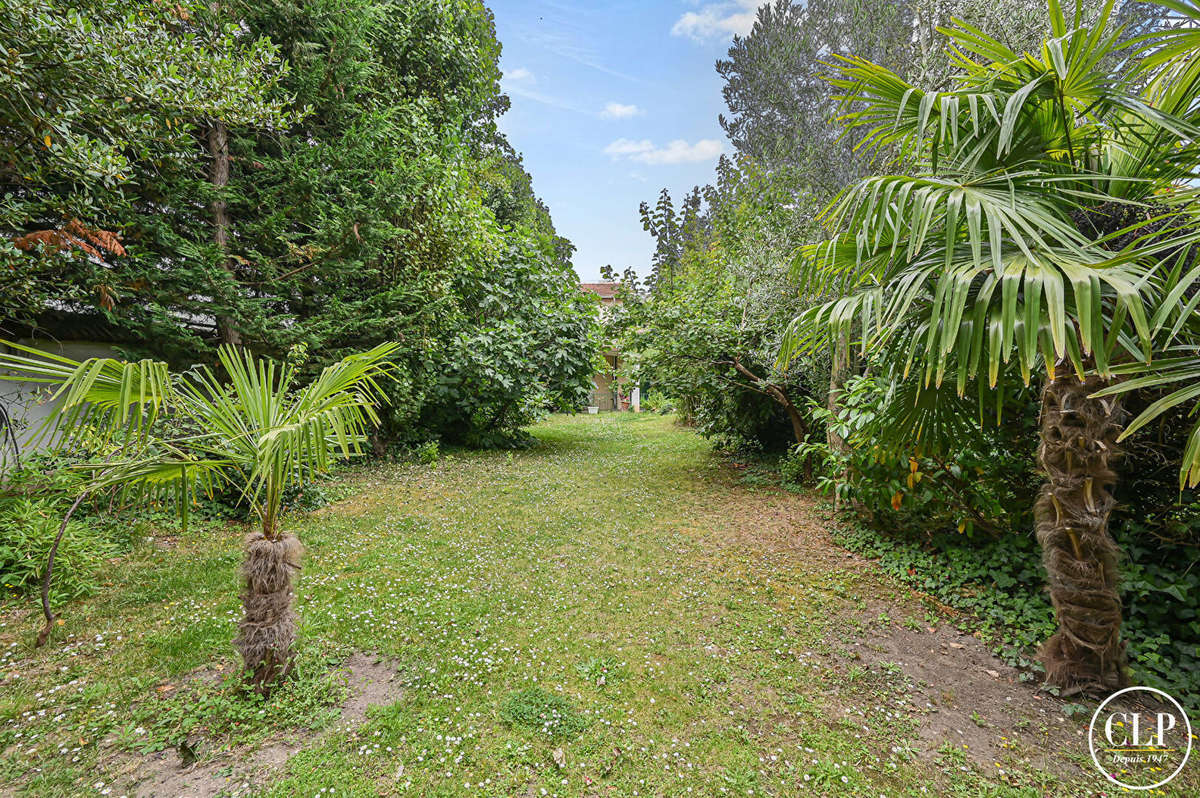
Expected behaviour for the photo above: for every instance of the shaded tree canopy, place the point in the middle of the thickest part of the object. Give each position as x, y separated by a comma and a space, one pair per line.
287, 173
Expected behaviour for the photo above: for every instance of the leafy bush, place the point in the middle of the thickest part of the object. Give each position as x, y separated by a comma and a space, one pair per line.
428, 453
657, 402
704, 329
1161, 594
985, 485
306, 496
27, 531
41, 474
794, 467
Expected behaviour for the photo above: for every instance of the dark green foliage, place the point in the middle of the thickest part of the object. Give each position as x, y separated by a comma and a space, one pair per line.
961, 531
980, 480
306, 496
1161, 591
794, 469
92, 88
370, 198
544, 713
525, 345
32, 506
948, 493
781, 108
100, 103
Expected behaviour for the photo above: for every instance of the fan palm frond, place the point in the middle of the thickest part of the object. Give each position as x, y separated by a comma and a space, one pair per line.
116, 398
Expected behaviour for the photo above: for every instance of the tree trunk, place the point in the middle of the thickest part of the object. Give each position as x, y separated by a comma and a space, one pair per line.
268, 627
838, 369
799, 428
776, 392
218, 148
1078, 445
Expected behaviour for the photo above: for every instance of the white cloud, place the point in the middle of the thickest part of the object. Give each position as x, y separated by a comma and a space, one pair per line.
717, 20
520, 73
628, 147
677, 151
619, 111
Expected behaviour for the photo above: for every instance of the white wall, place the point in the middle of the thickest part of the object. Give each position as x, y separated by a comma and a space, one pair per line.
26, 403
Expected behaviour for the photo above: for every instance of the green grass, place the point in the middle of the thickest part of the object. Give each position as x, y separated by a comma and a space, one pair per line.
596, 600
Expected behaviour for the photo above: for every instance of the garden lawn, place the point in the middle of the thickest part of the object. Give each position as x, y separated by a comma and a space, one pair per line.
614, 611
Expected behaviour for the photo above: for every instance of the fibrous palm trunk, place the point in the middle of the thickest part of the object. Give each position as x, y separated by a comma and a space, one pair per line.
268, 627
1078, 446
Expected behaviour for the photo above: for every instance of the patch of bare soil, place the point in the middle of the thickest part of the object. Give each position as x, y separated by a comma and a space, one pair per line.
962, 695
782, 523
371, 680
971, 700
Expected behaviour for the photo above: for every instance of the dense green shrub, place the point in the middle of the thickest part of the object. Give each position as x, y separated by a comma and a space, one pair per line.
655, 401
428, 453
984, 485
370, 197
27, 531
958, 527
794, 468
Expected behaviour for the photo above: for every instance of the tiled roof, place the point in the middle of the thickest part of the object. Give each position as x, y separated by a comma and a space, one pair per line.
602, 290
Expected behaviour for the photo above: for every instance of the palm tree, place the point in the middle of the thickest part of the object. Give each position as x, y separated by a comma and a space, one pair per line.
258, 433
1041, 214
1177, 325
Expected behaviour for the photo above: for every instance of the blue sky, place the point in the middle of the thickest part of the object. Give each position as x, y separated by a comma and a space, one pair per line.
612, 101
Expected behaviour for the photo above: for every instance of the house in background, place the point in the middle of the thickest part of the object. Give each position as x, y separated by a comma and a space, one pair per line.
605, 394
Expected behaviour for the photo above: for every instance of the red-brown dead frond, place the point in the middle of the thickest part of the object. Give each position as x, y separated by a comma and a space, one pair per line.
75, 234
101, 238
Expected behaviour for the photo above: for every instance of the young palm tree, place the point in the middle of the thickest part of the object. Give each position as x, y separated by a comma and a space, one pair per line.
1044, 212
258, 433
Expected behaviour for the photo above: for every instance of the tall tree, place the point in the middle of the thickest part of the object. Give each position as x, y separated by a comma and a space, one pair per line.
1046, 211
781, 107
779, 104
362, 194
93, 92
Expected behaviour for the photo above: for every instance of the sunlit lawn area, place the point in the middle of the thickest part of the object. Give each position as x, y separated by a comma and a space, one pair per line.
611, 612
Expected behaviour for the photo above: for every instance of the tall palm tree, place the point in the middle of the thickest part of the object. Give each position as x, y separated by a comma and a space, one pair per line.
1037, 225
259, 433
1177, 325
